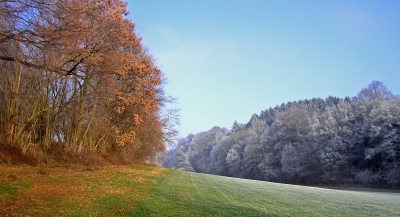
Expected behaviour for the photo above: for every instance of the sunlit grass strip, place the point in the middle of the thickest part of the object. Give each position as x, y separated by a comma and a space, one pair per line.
191, 194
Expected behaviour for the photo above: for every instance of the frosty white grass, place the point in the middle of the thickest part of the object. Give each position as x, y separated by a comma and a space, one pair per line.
184, 193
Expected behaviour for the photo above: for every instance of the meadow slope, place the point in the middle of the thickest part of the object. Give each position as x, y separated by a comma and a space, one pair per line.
191, 194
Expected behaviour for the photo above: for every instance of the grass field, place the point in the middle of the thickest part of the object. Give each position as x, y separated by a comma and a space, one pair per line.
151, 191
190, 194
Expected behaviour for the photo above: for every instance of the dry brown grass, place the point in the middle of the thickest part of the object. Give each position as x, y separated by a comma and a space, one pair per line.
59, 182
74, 190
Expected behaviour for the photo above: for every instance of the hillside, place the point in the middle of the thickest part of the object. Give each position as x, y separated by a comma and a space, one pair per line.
152, 191
332, 142
193, 194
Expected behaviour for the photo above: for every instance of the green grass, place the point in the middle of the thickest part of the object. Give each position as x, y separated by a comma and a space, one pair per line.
191, 194
7, 189
25, 184
59, 179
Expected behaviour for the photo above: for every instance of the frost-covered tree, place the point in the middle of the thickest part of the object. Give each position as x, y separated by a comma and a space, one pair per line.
290, 159
376, 90
182, 162
252, 156
383, 152
254, 150
200, 149
170, 159
220, 151
235, 127
235, 159
291, 125
333, 136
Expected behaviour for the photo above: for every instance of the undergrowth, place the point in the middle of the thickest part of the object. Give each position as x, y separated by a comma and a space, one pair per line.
57, 156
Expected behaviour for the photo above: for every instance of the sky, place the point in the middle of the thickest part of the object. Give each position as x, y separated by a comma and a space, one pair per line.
228, 59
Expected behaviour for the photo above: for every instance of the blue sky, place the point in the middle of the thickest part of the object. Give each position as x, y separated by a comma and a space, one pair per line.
228, 59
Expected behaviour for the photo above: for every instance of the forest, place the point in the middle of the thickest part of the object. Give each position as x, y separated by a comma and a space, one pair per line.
319, 142
75, 80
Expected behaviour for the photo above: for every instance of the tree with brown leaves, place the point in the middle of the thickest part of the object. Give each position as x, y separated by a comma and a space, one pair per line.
74, 73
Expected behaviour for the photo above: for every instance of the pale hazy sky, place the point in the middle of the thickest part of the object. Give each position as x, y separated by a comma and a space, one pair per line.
228, 59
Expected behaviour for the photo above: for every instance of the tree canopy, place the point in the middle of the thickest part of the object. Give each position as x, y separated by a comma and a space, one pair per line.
74, 74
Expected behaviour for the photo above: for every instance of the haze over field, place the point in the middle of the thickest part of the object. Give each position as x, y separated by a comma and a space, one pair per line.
226, 60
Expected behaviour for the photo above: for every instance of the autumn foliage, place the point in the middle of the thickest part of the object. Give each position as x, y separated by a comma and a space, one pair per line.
74, 75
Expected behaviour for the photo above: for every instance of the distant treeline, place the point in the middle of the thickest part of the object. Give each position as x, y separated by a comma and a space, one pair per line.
333, 141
